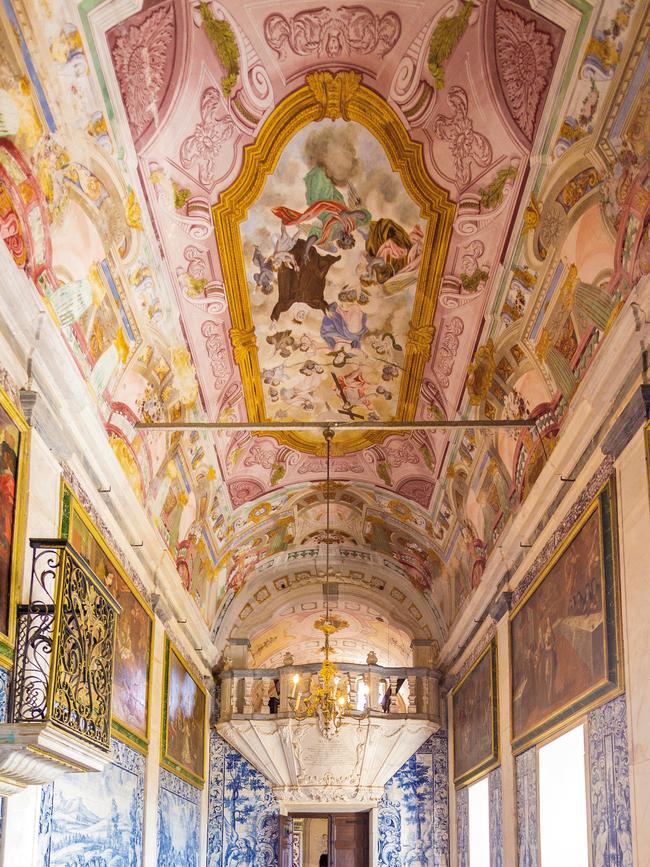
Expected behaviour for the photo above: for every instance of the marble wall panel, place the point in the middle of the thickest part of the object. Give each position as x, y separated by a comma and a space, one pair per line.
413, 814
242, 811
179, 822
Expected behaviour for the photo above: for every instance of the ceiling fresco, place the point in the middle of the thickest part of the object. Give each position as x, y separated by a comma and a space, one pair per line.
240, 211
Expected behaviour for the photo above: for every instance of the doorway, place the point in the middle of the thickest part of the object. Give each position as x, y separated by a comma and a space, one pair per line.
325, 840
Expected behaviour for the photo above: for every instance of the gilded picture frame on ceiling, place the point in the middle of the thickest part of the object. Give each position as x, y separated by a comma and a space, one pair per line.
475, 715
329, 101
566, 652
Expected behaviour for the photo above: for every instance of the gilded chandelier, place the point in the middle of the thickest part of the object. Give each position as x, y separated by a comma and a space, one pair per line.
328, 702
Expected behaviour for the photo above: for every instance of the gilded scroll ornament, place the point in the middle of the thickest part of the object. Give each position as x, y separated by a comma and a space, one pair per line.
480, 373
333, 93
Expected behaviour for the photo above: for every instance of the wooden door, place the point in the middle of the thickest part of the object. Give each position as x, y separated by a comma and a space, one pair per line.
286, 841
350, 840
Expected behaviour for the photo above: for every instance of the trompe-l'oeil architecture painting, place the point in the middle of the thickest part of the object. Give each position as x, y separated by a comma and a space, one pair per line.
227, 225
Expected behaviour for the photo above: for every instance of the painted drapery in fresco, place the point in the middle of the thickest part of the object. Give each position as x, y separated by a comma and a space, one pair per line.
564, 633
134, 631
476, 746
183, 747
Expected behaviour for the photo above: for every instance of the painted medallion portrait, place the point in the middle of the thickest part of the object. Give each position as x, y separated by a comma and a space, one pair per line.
183, 748
133, 632
564, 634
476, 745
12, 435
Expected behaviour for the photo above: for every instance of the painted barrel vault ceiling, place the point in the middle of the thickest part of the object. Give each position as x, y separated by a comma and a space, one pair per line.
387, 211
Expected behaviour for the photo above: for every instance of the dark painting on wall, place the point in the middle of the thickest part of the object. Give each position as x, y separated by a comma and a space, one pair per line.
475, 718
564, 634
134, 631
13, 458
184, 709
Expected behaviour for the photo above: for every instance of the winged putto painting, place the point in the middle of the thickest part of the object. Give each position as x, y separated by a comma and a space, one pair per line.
333, 249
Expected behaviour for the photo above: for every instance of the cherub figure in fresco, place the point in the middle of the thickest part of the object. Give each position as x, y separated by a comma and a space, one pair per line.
325, 203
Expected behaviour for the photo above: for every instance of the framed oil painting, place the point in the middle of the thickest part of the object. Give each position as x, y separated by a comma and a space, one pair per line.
134, 635
184, 710
476, 718
565, 639
14, 458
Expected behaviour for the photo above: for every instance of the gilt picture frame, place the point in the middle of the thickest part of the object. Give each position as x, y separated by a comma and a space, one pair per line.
132, 682
14, 469
184, 709
565, 635
475, 714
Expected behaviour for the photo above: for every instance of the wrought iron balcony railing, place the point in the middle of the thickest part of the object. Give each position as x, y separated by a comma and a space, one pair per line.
65, 642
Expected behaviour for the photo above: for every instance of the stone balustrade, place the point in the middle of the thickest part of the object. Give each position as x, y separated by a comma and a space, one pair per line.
373, 691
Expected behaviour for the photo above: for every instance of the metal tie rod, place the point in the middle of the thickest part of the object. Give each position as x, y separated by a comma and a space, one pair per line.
278, 426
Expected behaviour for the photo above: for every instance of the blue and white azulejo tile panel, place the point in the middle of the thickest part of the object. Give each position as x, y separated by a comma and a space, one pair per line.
95, 819
242, 811
609, 774
526, 771
413, 815
179, 822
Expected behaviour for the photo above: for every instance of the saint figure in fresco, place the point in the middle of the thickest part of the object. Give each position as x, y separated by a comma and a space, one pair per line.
338, 219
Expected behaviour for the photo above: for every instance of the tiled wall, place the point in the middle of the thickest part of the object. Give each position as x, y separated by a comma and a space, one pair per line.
413, 816
179, 822
242, 811
609, 766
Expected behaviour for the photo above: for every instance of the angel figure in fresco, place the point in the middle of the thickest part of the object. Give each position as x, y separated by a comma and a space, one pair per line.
391, 250
338, 219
